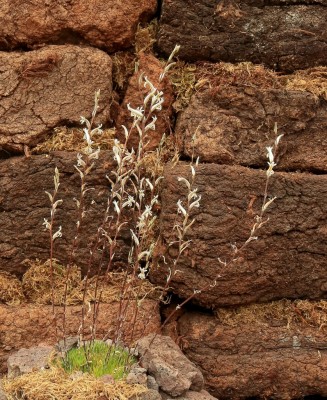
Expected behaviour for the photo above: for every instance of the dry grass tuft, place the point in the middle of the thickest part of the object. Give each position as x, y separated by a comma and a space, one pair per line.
11, 291
183, 78
123, 67
285, 312
313, 80
71, 139
55, 383
37, 282
37, 285
145, 37
245, 74
189, 78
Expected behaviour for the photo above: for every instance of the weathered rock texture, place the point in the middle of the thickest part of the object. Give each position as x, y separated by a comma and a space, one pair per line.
45, 88
288, 260
24, 205
163, 360
235, 124
28, 360
190, 395
151, 68
261, 359
109, 25
280, 34
30, 325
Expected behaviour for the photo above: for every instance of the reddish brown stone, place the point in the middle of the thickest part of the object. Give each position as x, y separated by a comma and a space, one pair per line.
45, 88
29, 325
283, 38
24, 205
287, 261
149, 67
233, 124
268, 358
163, 360
109, 25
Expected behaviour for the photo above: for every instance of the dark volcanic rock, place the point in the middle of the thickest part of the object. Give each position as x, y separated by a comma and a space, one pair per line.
288, 260
235, 124
24, 205
251, 356
109, 25
280, 34
42, 89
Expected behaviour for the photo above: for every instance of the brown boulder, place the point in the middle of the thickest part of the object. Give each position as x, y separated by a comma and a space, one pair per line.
28, 360
288, 259
109, 25
45, 88
24, 205
283, 38
265, 356
235, 124
29, 325
163, 360
150, 67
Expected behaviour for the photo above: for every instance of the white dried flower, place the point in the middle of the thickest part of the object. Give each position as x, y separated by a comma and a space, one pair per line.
117, 153
278, 139
125, 131
94, 155
57, 234
141, 193
151, 125
46, 223
195, 203
87, 137
157, 106
270, 154
143, 272
129, 202
149, 184
115, 203
56, 179
50, 196
80, 161
135, 238
180, 208
187, 183
268, 203
136, 113
175, 51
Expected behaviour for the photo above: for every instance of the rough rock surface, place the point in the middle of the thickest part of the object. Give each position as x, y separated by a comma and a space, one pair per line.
279, 34
287, 261
109, 25
44, 88
30, 325
173, 372
24, 205
149, 395
235, 124
256, 359
28, 360
149, 67
190, 395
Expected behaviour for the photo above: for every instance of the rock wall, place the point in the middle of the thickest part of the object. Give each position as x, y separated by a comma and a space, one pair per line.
245, 69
